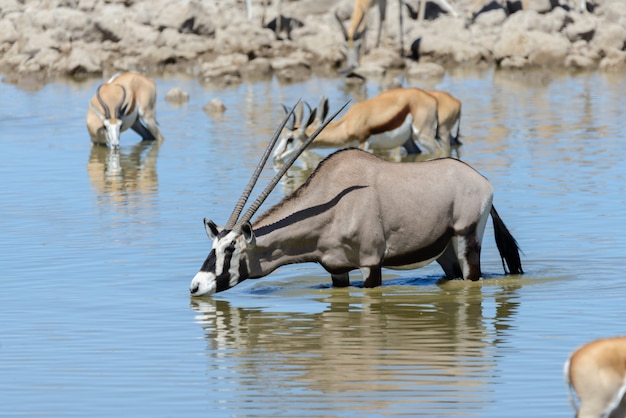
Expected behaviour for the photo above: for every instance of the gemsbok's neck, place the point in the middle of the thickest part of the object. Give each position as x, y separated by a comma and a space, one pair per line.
286, 241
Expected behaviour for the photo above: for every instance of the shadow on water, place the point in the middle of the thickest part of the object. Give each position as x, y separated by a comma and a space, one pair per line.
417, 344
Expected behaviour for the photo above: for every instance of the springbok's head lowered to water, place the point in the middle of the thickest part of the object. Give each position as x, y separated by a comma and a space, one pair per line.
111, 96
294, 133
354, 38
232, 252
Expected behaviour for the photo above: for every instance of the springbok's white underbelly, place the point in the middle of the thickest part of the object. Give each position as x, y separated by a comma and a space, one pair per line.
393, 138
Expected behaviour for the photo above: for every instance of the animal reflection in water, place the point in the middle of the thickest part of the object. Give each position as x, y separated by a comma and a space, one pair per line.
358, 211
118, 175
444, 343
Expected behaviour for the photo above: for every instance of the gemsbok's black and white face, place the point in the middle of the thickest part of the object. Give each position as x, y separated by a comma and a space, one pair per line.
225, 267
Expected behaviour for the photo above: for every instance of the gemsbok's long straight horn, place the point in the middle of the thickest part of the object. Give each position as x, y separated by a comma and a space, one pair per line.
257, 172
268, 189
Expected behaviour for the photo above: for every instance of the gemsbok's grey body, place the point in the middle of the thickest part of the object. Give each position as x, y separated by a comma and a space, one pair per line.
357, 211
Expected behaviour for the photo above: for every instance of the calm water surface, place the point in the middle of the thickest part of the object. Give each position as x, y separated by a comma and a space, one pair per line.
98, 249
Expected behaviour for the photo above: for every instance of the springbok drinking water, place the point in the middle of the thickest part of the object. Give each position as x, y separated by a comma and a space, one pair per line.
357, 211
596, 373
385, 121
125, 101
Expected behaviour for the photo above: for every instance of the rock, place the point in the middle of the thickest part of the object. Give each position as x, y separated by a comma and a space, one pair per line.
257, 69
539, 48
425, 70
291, 69
185, 17
216, 41
584, 27
491, 18
582, 56
539, 6
82, 61
608, 37
215, 106
223, 65
615, 60
177, 95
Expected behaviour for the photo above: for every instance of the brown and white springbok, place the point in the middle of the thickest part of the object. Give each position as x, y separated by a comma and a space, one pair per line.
125, 101
354, 36
385, 121
596, 374
358, 211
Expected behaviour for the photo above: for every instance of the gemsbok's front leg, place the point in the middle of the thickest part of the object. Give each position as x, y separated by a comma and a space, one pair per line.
340, 280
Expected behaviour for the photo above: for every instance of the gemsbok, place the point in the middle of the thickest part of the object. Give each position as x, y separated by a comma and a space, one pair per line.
385, 121
358, 211
125, 101
596, 374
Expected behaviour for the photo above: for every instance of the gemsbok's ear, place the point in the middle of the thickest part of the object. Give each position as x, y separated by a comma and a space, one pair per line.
248, 233
212, 230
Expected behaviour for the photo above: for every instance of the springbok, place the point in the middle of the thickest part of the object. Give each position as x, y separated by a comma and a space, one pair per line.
354, 36
358, 211
388, 120
596, 374
449, 116
125, 101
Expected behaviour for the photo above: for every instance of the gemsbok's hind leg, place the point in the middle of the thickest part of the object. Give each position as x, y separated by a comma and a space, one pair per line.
467, 244
469, 258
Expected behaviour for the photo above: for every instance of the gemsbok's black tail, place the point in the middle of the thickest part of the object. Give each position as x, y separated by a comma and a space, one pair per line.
507, 246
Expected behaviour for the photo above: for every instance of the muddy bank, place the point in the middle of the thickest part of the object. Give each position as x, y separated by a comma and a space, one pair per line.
218, 41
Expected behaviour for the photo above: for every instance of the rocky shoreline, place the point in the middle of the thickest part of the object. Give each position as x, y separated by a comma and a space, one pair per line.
217, 42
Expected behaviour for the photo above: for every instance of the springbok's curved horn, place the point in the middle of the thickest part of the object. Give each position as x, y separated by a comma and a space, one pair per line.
259, 200
121, 103
343, 28
323, 108
107, 112
257, 172
291, 125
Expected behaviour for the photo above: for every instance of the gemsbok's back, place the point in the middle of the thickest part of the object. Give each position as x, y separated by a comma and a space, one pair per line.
358, 211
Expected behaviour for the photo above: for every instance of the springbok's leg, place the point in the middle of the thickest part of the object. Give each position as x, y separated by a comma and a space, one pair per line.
149, 121
340, 280
145, 134
372, 276
411, 148
382, 9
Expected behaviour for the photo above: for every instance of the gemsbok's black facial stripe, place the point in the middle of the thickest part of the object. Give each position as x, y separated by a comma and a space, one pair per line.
209, 263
